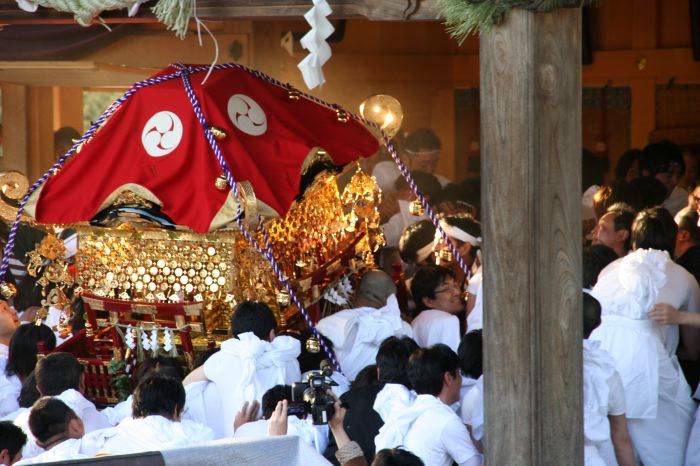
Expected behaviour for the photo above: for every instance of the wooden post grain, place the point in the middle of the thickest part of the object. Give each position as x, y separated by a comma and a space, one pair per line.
531, 191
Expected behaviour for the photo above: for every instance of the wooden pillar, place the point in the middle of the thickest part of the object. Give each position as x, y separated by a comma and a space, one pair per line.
40, 132
68, 107
14, 124
531, 191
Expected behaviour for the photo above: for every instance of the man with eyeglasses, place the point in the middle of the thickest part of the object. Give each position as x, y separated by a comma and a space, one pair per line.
438, 299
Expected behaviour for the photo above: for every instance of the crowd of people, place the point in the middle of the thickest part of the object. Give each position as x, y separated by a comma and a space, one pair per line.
406, 385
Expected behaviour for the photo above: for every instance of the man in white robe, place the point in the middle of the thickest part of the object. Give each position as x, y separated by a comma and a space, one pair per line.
425, 424
10, 386
155, 424
60, 375
57, 430
659, 407
249, 364
606, 437
357, 333
438, 298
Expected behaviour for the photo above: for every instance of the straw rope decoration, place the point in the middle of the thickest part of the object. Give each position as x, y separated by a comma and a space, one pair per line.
183, 72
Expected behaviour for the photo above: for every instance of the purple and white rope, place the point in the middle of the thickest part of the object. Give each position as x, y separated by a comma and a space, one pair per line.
266, 251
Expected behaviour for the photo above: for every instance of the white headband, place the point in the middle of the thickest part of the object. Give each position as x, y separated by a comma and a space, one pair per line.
424, 252
456, 233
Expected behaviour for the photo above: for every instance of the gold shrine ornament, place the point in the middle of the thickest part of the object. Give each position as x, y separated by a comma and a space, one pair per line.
219, 133
415, 208
221, 183
7, 290
313, 345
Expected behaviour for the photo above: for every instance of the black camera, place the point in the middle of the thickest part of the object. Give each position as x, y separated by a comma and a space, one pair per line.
310, 397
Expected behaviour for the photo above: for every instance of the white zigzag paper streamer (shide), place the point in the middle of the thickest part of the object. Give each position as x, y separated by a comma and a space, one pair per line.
315, 42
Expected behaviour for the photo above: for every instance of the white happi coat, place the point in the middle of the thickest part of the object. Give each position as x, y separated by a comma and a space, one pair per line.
425, 426
432, 326
244, 369
92, 419
658, 403
603, 395
357, 333
150, 433
69, 449
10, 386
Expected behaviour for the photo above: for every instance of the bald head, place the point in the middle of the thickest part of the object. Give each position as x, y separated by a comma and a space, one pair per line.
376, 286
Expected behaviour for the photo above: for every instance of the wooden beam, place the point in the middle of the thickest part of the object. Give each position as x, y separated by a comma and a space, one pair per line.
378, 10
531, 178
643, 111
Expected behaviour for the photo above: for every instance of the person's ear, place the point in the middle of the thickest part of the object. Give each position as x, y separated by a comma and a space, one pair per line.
622, 235
76, 429
271, 336
683, 235
5, 456
428, 302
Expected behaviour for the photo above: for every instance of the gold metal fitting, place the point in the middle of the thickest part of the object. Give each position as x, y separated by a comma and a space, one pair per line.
221, 183
293, 93
342, 115
445, 256
416, 208
313, 345
8, 290
283, 298
219, 133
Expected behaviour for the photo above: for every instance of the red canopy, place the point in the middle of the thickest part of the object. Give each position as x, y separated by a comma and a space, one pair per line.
154, 143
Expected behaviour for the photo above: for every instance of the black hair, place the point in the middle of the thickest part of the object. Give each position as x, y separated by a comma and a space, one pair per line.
28, 294
21, 358
595, 259
157, 365
654, 229
65, 135
273, 396
307, 178
202, 357
421, 139
396, 457
77, 320
659, 157
427, 184
158, 395
624, 217
253, 316
28, 394
427, 366
653, 191
592, 170
392, 359
619, 191
688, 221
625, 162
366, 376
591, 314
415, 237
58, 372
468, 224
470, 353
425, 282
49, 419
12, 438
